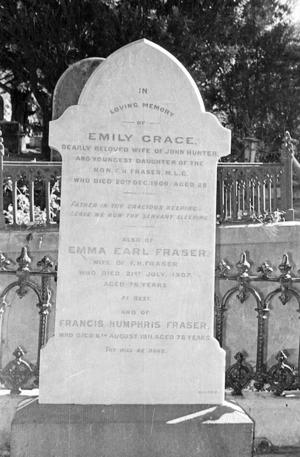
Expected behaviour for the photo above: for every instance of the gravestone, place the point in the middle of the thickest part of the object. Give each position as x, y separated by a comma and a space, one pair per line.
12, 134
133, 368
137, 236
69, 87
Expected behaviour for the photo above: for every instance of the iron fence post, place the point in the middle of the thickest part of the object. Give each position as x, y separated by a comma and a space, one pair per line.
44, 305
2, 217
287, 154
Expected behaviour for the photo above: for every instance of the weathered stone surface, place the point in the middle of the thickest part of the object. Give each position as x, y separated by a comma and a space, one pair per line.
131, 431
277, 419
69, 86
8, 407
134, 314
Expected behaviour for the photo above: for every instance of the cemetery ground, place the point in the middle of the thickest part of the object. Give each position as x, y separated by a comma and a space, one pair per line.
261, 447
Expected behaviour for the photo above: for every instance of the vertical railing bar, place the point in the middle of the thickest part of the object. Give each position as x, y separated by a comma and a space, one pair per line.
1, 330
47, 197
264, 196
248, 207
234, 201
260, 340
270, 194
238, 197
222, 199
44, 305
286, 181
31, 198
219, 320
275, 191
43, 318
228, 201
2, 217
298, 368
15, 200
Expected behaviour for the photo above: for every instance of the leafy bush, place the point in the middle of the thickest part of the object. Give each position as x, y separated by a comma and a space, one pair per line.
267, 217
23, 207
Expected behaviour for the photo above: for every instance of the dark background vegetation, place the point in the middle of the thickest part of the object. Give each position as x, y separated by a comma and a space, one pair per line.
243, 54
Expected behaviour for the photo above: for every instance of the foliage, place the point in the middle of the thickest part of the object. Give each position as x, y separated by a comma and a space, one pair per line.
242, 53
261, 89
23, 207
266, 217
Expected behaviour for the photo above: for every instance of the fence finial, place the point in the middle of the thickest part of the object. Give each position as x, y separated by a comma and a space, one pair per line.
287, 158
287, 146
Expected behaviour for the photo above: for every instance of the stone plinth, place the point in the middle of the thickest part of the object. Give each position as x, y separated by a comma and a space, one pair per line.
131, 431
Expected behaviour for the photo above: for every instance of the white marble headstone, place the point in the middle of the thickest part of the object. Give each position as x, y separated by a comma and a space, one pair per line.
135, 300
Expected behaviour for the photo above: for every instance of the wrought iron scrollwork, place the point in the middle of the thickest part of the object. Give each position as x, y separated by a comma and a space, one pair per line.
280, 376
243, 277
264, 270
17, 373
285, 280
23, 272
4, 262
44, 304
239, 375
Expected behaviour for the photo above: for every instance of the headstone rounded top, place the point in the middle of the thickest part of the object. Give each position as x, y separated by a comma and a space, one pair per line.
143, 61
69, 86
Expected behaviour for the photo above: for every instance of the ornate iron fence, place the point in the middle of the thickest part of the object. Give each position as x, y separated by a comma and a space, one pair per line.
280, 376
19, 373
31, 193
246, 191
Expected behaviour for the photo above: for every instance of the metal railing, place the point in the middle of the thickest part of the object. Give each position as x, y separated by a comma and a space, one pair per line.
278, 377
31, 193
250, 191
20, 373
246, 191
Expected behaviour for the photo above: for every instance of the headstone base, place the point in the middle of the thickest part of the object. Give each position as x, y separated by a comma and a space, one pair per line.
131, 431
